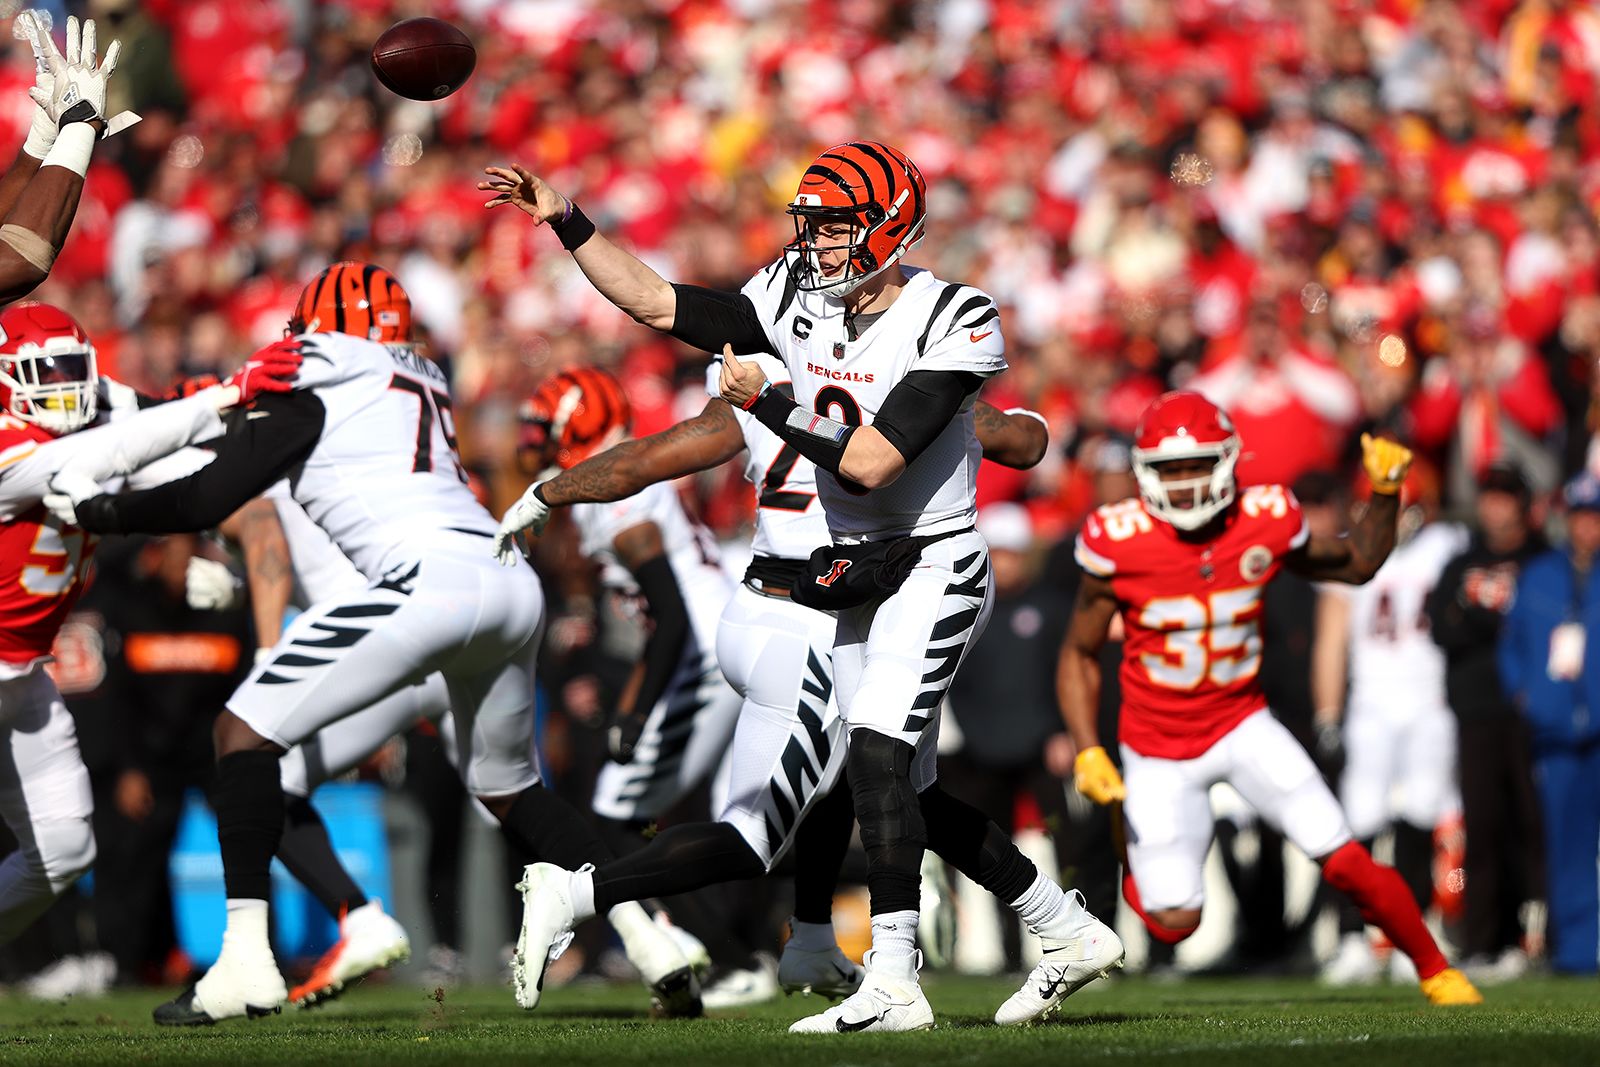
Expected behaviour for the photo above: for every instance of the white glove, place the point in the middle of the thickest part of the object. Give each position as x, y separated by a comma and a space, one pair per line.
210, 585
76, 80
528, 514
32, 26
67, 491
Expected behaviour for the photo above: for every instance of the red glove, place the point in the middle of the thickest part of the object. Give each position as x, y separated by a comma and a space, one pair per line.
271, 370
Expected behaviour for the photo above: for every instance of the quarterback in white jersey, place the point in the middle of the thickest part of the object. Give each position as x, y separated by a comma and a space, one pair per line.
368, 447
885, 364
1376, 667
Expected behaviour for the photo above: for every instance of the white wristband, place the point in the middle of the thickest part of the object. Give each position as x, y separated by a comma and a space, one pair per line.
74, 145
1030, 413
39, 143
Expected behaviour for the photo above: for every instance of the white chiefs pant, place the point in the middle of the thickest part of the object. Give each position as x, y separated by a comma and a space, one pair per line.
685, 737
454, 612
1168, 811
893, 659
1400, 766
44, 797
788, 749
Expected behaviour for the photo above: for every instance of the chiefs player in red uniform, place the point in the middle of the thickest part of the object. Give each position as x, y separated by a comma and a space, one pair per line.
1185, 564
48, 392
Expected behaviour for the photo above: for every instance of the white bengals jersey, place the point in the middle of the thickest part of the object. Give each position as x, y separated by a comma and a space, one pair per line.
1396, 670
321, 571
789, 519
933, 325
384, 471
691, 552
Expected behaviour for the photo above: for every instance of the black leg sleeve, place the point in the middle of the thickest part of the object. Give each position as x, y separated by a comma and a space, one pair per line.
679, 859
973, 844
892, 828
820, 844
544, 828
308, 853
249, 804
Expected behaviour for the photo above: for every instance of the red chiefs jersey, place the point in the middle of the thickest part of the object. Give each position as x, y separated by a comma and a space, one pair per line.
1191, 661
42, 562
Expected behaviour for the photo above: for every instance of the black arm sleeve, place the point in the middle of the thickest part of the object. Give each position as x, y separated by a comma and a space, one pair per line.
920, 406
664, 651
260, 445
711, 318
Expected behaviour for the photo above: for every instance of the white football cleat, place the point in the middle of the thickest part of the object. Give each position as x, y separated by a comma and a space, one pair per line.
883, 1004
1354, 964
233, 987
654, 953
741, 987
694, 950
547, 921
369, 940
829, 973
1065, 966
73, 976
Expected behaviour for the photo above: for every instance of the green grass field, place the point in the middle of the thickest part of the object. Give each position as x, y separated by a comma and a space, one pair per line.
1250, 1021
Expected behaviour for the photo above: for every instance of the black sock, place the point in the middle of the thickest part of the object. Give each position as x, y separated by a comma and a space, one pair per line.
1413, 858
1350, 920
544, 828
890, 816
677, 860
249, 805
309, 855
820, 844
973, 844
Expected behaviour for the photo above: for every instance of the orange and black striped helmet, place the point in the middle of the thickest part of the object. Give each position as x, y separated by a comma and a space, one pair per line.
567, 418
870, 187
360, 299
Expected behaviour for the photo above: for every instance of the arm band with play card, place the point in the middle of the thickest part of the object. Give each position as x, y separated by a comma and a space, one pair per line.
818, 438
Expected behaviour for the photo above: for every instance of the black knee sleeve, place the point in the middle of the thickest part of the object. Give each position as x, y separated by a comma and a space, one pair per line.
544, 828
249, 805
1413, 858
973, 844
892, 828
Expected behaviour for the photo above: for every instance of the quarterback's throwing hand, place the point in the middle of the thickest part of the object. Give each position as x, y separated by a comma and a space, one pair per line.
1096, 776
517, 185
741, 382
1386, 463
529, 513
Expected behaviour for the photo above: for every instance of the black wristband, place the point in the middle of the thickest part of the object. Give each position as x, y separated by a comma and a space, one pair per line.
575, 230
816, 437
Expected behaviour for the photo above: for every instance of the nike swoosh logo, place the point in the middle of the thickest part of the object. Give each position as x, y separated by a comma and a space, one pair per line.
850, 1028
976, 337
1048, 989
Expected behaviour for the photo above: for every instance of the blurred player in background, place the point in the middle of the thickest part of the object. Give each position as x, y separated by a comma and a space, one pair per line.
1184, 565
49, 399
885, 363
369, 448
1379, 682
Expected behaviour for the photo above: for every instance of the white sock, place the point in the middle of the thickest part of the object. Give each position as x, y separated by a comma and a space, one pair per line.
582, 889
246, 931
894, 944
1048, 910
812, 937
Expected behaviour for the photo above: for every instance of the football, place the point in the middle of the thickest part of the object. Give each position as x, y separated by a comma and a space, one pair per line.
423, 59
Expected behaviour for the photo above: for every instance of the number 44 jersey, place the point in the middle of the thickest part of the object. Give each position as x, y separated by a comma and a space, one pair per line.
1191, 661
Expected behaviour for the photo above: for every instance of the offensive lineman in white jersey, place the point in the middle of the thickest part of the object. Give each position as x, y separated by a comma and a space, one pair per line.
1375, 663
368, 447
885, 362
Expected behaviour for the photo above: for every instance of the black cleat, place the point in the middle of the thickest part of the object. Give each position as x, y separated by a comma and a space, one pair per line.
677, 995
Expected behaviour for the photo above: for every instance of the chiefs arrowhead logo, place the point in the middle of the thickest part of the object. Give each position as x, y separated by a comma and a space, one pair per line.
835, 572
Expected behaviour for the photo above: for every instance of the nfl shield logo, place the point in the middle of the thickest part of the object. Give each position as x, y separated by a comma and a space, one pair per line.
838, 350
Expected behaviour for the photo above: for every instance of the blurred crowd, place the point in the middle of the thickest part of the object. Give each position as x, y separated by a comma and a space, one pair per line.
1330, 216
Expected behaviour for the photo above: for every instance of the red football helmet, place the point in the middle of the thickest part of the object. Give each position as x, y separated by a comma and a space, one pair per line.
1185, 426
873, 189
47, 370
572, 414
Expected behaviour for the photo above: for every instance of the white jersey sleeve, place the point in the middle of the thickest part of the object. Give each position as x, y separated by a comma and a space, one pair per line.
963, 334
103, 453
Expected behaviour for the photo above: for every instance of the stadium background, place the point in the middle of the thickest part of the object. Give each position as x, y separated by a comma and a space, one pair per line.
1334, 215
